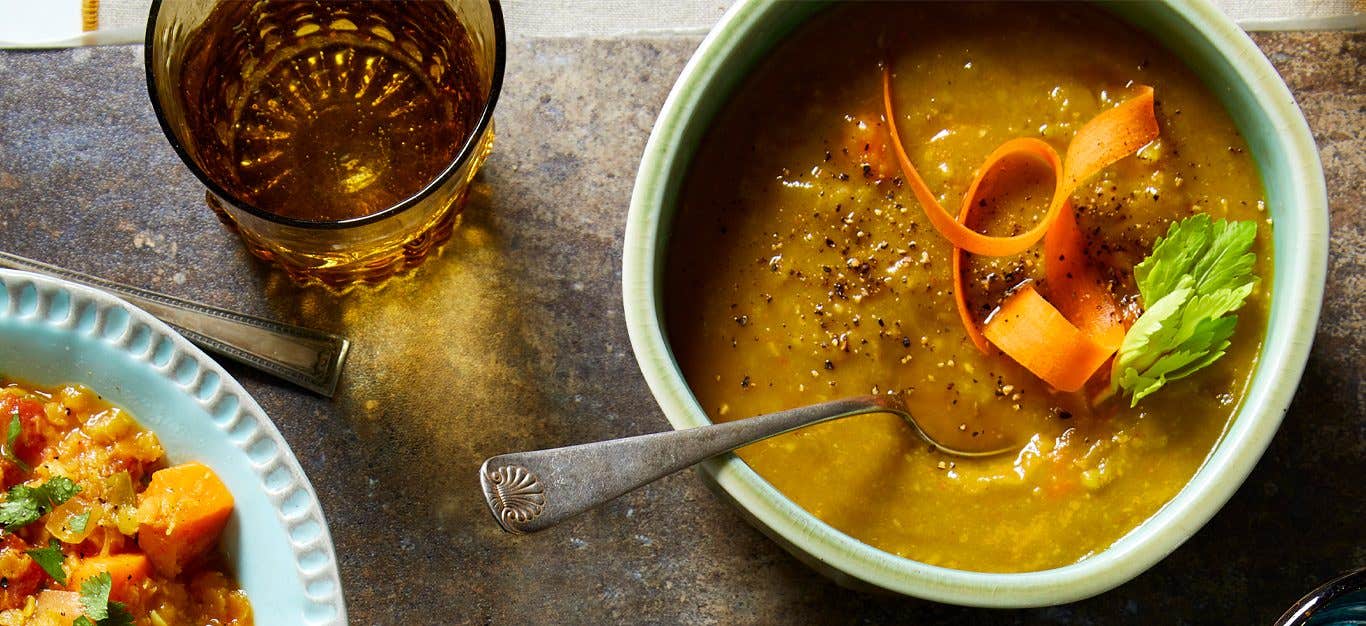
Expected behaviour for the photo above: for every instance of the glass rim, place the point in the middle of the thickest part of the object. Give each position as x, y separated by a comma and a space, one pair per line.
467, 151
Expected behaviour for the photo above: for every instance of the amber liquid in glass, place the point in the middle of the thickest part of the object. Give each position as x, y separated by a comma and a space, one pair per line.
328, 111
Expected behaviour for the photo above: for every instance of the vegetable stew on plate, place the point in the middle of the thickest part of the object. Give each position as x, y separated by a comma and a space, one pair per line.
97, 529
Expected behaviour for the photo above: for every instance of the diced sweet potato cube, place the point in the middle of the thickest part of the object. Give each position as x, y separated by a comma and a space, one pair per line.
125, 572
181, 514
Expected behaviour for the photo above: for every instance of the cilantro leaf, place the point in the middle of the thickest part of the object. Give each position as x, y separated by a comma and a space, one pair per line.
95, 595
50, 559
23, 504
118, 616
20, 507
1197, 274
11, 436
58, 490
99, 611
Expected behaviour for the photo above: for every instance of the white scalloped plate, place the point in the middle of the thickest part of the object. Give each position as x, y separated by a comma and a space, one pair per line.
277, 542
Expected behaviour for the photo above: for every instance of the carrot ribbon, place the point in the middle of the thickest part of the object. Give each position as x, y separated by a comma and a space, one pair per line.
1088, 309
1037, 336
1076, 287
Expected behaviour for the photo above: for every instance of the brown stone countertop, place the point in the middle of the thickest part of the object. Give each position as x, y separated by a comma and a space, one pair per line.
514, 339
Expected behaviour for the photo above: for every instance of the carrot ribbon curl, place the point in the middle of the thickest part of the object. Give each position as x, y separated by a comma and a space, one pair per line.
1037, 336
1064, 358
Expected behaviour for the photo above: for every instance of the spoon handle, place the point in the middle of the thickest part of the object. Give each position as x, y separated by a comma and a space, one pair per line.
309, 358
530, 491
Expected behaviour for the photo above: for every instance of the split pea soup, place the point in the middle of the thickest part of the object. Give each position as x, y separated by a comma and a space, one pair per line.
804, 268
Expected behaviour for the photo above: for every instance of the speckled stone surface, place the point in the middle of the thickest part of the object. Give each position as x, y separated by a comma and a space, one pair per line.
514, 339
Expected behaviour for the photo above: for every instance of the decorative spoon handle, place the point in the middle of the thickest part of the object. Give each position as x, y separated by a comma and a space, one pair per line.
530, 491
309, 358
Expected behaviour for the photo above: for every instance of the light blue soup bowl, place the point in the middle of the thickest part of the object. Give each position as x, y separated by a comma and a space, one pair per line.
277, 543
1234, 70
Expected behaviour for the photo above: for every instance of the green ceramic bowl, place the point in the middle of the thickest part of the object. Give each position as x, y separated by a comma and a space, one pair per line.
1233, 69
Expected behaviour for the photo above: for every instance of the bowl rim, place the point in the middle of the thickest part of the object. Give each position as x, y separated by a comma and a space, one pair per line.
1282, 359
467, 150
293, 500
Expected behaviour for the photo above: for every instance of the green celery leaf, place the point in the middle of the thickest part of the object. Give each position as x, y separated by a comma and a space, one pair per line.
1151, 329
1218, 344
1197, 274
1173, 257
1216, 304
1228, 262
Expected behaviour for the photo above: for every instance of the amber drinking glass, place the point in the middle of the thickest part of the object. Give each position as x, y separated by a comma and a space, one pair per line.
337, 138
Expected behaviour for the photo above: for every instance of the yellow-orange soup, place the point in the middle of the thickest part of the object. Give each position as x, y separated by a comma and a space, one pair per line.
801, 269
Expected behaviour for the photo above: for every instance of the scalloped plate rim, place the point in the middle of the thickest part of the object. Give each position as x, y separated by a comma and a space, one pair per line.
13, 282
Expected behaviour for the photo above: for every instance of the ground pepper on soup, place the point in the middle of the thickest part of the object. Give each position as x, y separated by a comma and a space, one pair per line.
803, 269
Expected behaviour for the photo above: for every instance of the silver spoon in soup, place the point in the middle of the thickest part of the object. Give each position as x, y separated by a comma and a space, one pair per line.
531, 491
